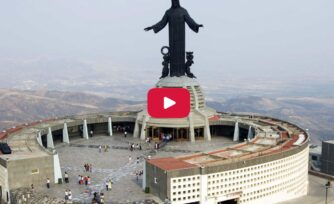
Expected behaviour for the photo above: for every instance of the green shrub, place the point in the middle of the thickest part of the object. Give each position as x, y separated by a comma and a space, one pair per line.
147, 190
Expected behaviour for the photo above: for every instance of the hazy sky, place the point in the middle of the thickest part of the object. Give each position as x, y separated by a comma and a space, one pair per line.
241, 37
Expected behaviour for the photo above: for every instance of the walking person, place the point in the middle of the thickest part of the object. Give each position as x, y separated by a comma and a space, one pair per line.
48, 183
110, 185
32, 188
88, 180
66, 195
66, 177
100, 148
107, 185
101, 198
81, 180
70, 197
125, 133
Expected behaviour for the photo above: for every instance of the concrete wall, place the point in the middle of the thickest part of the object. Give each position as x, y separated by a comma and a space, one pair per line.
159, 188
163, 188
327, 158
3, 183
24, 172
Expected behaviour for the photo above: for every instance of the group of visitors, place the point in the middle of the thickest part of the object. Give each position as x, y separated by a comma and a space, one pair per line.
98, 198
148, 140
120, 128
156, 145
166, 137
84, 180
133, 146
109, 185
105, 147
88, 167
138, 174
68, 195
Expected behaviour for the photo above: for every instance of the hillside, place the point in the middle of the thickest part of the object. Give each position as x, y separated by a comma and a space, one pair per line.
25, 106
17, 106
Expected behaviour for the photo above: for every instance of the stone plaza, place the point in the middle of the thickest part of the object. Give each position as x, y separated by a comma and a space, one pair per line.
115, 165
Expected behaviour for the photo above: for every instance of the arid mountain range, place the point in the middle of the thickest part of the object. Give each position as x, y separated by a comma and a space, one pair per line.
17, 106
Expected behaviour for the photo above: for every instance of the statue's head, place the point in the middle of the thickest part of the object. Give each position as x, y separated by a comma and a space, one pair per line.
175, 3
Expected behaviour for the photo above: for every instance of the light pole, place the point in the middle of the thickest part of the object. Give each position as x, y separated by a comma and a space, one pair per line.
328, 186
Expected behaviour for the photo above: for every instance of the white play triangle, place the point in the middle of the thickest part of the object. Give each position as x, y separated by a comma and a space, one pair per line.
168, 103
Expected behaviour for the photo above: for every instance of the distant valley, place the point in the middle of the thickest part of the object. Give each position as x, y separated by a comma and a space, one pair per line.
17, 106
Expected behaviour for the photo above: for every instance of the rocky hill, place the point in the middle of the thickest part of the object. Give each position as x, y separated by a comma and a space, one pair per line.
25, 106
17, 106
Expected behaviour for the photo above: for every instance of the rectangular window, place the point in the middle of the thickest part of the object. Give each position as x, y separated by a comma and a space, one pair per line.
35, 171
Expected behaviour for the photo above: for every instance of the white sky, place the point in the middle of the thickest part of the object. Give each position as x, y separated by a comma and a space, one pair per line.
240, 37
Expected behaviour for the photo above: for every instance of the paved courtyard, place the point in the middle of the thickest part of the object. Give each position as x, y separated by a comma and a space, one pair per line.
116, 165
316, 194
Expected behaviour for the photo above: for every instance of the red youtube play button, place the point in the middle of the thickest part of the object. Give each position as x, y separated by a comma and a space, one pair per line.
168, 103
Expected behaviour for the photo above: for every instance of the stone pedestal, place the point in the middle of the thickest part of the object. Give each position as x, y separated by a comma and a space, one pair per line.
109, 126
198, 117
236, 132
49, 139
66, 138
85, 130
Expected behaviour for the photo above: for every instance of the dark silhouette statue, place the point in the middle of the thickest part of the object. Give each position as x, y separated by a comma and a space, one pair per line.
176, 17
165, 63
190, 61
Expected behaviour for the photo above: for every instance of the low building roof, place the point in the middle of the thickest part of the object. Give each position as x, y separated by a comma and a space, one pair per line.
170, 163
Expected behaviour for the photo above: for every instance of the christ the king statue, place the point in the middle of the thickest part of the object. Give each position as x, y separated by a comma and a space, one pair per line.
176, 17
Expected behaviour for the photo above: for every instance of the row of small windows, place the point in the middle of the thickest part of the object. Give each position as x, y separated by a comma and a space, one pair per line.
186, 179
184, 192
186, 185
260, 178
282, 167
185, 198
289, 168
286, 186
232, 187
259, 181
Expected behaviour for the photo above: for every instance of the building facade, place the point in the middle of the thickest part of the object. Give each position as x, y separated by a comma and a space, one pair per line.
262, 170
327, 157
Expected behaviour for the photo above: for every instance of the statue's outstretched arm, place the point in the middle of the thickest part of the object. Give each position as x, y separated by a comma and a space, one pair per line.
191, 23
160, 25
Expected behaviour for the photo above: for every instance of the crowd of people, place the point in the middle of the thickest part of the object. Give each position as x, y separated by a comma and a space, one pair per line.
138, 174
148, 140
88, 167
68, 195
133, 146
84, 180
109, 185
98, 198
120, 128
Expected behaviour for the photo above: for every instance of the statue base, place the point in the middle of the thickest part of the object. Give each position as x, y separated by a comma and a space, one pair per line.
195, 126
